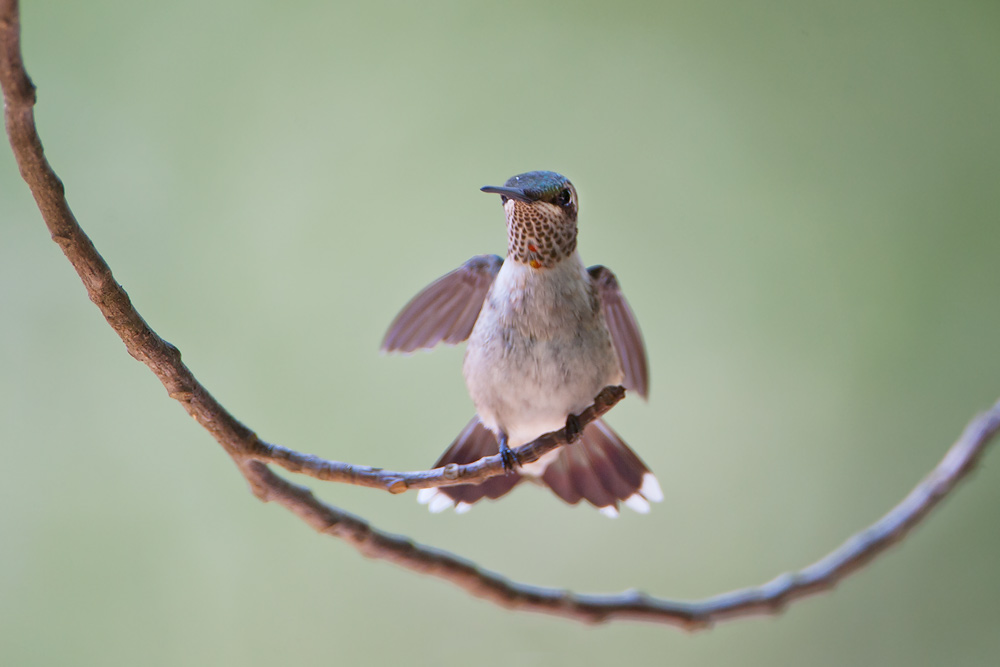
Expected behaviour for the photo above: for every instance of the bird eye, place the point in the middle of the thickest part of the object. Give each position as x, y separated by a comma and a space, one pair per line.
564, 197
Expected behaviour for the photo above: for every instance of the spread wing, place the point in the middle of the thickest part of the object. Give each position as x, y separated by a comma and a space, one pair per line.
625, 332
446, 310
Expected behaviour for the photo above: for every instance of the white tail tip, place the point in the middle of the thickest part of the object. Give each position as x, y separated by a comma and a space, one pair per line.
650, 488
439, 503
637, 503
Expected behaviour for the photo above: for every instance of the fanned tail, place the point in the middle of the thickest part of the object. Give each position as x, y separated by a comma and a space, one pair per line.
599, 468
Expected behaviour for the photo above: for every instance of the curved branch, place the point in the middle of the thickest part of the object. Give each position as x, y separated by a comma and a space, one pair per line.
250, 453
767, 598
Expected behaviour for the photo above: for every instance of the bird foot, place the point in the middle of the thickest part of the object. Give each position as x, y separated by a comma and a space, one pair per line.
508, 457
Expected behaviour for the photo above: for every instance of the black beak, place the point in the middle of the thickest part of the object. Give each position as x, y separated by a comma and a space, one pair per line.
510, 193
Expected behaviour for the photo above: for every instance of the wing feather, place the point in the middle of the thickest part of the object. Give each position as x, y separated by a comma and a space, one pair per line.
446, 310
624, 330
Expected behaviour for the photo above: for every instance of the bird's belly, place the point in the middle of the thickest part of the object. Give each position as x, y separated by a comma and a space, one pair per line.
526, 387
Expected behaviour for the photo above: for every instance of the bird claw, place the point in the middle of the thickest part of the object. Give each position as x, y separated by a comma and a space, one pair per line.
509, 458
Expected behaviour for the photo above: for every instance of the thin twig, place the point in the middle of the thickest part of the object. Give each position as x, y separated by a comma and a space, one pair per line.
248, 451
449, 475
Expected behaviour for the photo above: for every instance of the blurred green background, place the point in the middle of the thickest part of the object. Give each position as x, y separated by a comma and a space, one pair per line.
800, 200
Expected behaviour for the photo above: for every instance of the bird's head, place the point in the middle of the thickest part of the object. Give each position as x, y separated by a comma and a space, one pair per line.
541, 208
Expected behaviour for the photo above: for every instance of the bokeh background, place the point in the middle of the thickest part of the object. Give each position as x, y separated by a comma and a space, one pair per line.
800, 199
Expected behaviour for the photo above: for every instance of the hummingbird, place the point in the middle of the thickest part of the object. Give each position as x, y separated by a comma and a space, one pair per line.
545, 335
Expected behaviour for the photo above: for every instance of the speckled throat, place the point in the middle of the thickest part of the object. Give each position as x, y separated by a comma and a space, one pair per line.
539, 234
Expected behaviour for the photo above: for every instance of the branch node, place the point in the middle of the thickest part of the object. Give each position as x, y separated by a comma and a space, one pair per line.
397, 485
451, 471
172, 350
611, 394
62, 239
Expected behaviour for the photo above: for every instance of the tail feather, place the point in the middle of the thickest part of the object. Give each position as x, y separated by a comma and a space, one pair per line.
601, 469
613, 482
558, 478
627, 464
583, 475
